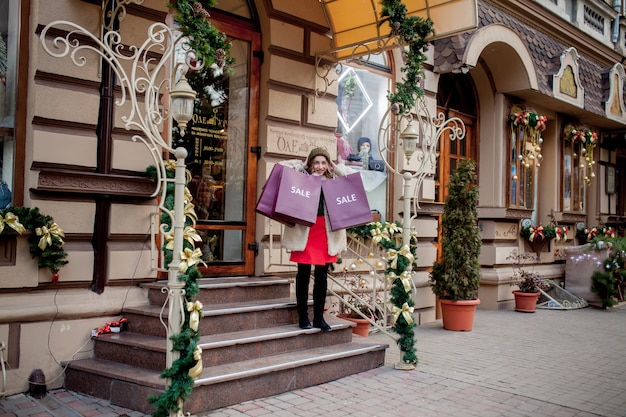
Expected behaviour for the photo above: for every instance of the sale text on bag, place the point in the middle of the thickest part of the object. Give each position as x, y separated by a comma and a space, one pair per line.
300, 192
351, 198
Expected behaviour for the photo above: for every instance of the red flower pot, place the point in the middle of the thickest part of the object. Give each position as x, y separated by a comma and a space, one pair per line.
362, 327
458, 315
526, 302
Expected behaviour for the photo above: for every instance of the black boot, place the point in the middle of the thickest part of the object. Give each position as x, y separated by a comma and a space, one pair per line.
302, 295
319, 297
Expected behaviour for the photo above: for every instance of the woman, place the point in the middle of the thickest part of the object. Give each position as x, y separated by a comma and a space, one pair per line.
316, 245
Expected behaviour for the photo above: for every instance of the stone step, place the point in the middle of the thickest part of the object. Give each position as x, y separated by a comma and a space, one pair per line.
220, 386
149, 351
218, 318
228, 290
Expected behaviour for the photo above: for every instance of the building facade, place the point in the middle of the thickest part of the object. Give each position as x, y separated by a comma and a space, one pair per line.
67, 152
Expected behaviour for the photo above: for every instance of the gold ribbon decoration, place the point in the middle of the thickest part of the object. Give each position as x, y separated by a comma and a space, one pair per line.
190, 211
196, 370
391, 278
195, 312
377, 235
170, 165
188, 196
392, 256
46, 233
393, 228
405, 278
189, 234
189, 258
406, 313
11, 220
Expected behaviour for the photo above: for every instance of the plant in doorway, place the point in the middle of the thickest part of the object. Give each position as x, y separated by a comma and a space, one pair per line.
456, 277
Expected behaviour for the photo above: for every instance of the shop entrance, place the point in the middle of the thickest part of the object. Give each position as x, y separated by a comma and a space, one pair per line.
221, 141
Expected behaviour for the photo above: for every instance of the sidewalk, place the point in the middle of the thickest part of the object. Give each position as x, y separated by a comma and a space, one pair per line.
550, 363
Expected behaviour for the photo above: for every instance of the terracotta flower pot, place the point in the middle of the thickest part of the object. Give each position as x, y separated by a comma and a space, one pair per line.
526, 302
458, 315
362, 327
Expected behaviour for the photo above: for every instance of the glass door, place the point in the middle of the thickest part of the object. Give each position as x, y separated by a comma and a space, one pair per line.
220, 139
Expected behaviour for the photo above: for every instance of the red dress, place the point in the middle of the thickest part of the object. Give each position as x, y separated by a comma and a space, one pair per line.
316, 250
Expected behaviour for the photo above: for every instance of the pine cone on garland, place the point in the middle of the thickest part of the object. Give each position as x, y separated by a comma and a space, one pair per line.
200, 11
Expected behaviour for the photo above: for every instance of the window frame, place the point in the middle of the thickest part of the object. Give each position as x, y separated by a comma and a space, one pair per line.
572, 149
518, 170
20, 95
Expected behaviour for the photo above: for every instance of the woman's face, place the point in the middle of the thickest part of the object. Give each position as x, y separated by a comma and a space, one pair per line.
319, 165
365, 146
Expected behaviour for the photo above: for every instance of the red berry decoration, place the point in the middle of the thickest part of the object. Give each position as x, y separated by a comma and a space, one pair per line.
55, 278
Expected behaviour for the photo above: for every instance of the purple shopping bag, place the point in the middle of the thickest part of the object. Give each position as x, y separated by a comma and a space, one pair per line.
298, 197
346, 202
267, 200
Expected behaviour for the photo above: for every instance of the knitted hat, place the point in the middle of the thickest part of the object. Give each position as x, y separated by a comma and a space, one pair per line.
317, 152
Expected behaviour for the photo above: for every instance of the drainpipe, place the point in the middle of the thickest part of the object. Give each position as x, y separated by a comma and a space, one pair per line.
617, 6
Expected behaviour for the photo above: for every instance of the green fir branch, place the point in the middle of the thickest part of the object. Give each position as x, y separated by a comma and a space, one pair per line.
413, 31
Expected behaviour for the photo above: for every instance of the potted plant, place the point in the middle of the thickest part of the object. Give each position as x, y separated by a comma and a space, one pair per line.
456, 277
528, 282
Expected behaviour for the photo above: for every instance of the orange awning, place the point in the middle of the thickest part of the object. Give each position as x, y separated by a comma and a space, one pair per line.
356, 30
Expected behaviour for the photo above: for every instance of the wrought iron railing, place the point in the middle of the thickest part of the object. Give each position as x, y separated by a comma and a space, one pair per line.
360, 263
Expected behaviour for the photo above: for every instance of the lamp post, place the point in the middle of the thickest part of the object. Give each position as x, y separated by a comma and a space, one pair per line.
143, 82
418, 140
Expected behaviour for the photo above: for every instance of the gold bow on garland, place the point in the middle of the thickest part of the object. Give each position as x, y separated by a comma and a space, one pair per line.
47, 233
405, 279
46, 239
190, 258
195, 313
195, 371
392, 256
406, 312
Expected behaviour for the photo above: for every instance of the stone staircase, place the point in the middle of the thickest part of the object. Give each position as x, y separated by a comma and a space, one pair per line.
252, 348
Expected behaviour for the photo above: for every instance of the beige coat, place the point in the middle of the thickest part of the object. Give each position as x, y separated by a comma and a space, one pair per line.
295, 238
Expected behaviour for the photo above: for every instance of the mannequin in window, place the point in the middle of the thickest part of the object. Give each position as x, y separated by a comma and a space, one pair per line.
365, 156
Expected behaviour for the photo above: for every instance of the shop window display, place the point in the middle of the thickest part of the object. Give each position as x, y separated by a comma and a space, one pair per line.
361, 105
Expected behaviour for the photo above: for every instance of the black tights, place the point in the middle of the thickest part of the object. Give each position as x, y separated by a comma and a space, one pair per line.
320, 285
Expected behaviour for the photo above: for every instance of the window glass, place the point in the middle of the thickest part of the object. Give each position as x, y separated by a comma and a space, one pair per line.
361, 105
522, 175
9, 27
573, 176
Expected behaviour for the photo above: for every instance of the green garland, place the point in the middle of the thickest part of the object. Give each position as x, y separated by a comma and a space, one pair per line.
186, 342
388, 236
413, 31
211, 45
45, 240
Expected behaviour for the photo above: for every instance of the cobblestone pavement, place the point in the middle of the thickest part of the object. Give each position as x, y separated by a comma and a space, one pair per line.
550, 363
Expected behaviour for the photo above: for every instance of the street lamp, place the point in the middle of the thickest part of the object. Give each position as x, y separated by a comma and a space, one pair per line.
409, 138
146, 79
183, 97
